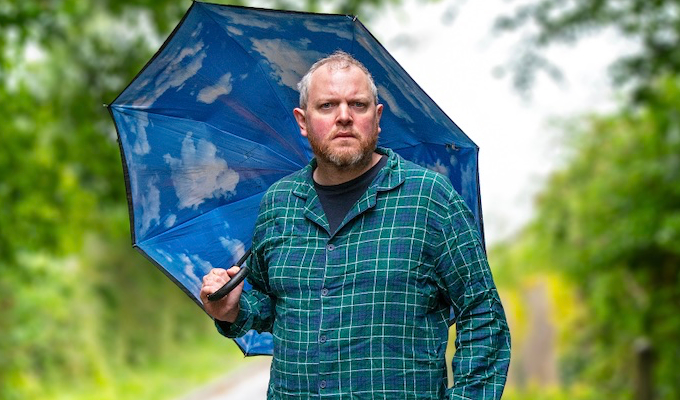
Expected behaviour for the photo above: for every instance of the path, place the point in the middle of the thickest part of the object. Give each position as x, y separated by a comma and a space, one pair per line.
249, 382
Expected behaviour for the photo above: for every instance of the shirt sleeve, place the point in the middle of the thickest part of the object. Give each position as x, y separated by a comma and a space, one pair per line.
482, 356
257, 306
256, 313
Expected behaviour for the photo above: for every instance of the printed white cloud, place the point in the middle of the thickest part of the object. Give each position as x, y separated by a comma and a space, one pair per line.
438, 167
386, 96
205, 266
151, 206
197, 31
210, 93
329, 28
165, 255
234, 30
175, 72
244, 19
453, 160
138, 128
234, 246
170, 220
467, 181
199, 174
191, 264
289, 63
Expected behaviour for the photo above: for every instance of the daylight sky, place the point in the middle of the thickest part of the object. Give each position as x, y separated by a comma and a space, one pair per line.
449, 49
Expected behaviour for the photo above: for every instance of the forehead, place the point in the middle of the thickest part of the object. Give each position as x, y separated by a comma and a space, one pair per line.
331, 80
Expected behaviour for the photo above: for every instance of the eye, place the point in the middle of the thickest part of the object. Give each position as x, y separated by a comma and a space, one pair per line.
325, 106
359, 104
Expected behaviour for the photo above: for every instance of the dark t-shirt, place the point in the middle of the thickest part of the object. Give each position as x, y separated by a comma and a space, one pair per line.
337, 200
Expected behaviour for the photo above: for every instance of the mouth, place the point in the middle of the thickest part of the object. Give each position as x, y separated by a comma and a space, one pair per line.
344, 135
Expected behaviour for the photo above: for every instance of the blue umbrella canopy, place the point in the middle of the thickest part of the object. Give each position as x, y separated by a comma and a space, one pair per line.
207, 126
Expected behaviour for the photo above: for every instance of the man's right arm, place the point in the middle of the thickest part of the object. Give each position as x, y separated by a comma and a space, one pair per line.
238, 312
243, 311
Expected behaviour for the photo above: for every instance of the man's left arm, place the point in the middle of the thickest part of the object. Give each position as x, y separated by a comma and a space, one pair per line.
482, 356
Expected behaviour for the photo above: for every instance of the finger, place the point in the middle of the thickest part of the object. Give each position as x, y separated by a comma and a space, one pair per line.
212, 283
210, 289
205, 291
233, 271
218, 272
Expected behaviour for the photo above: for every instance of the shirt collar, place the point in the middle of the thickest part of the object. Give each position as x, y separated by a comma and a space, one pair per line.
389, 177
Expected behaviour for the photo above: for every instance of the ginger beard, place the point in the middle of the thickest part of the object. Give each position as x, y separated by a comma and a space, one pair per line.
344, 155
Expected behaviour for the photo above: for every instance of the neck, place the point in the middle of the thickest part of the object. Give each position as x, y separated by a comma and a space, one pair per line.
329, 174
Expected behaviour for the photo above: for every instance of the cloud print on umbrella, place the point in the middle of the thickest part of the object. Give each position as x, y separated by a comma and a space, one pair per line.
200, 174
235, 31
138, 128
288, 62
330, 28
178, 66
151, 206
387, 97
234, 246
170, 220
244, 19
210, 93
191, 262
438, 167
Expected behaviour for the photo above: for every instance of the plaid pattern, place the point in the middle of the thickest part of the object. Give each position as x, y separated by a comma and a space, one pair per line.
364, 314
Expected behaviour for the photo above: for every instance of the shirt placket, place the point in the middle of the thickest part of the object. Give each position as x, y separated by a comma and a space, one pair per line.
329, 379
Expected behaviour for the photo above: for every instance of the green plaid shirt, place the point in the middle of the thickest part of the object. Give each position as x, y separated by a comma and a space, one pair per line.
363, 314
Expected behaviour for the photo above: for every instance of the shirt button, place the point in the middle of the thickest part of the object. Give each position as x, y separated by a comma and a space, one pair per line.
324, 292
322, 384
330, 247
322, 339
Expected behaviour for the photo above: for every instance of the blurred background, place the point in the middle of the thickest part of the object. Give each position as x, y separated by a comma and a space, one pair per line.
575, 106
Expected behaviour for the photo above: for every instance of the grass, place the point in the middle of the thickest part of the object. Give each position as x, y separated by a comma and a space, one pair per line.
170, 377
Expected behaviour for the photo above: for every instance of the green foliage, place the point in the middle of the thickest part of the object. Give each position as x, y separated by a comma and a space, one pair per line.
609, 221
652, 26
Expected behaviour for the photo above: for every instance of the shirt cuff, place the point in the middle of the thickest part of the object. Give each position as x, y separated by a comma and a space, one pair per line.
237, 328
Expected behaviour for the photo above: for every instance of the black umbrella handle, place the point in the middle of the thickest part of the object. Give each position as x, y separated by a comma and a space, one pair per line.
234, 281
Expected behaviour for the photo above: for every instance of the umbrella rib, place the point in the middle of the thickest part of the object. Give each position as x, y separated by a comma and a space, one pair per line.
149, 111
458, 146
187, 222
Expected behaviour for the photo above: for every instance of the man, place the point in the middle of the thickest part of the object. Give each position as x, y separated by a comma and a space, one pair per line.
357, 261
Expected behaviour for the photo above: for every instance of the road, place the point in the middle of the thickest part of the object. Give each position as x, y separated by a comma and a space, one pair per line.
247, 383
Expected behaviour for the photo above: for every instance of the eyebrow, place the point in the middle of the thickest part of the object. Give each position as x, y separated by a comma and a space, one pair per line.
352, 98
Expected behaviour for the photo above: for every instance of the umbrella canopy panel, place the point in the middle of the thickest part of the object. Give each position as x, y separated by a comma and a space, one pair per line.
207, 126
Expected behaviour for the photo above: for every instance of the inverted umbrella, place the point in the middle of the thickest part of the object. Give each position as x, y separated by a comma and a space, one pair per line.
207, 126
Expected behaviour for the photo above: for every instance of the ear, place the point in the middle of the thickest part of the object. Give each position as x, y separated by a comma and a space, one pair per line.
301, 119
378, 114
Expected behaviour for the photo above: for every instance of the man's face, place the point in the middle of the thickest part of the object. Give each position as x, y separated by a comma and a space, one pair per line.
341, 119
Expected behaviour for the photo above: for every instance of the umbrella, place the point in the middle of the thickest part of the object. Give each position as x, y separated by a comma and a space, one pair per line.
207, 126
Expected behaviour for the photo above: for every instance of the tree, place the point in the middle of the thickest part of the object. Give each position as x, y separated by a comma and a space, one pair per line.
610, 221
653, 27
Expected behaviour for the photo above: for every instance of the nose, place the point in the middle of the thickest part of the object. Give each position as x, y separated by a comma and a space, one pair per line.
344, 114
